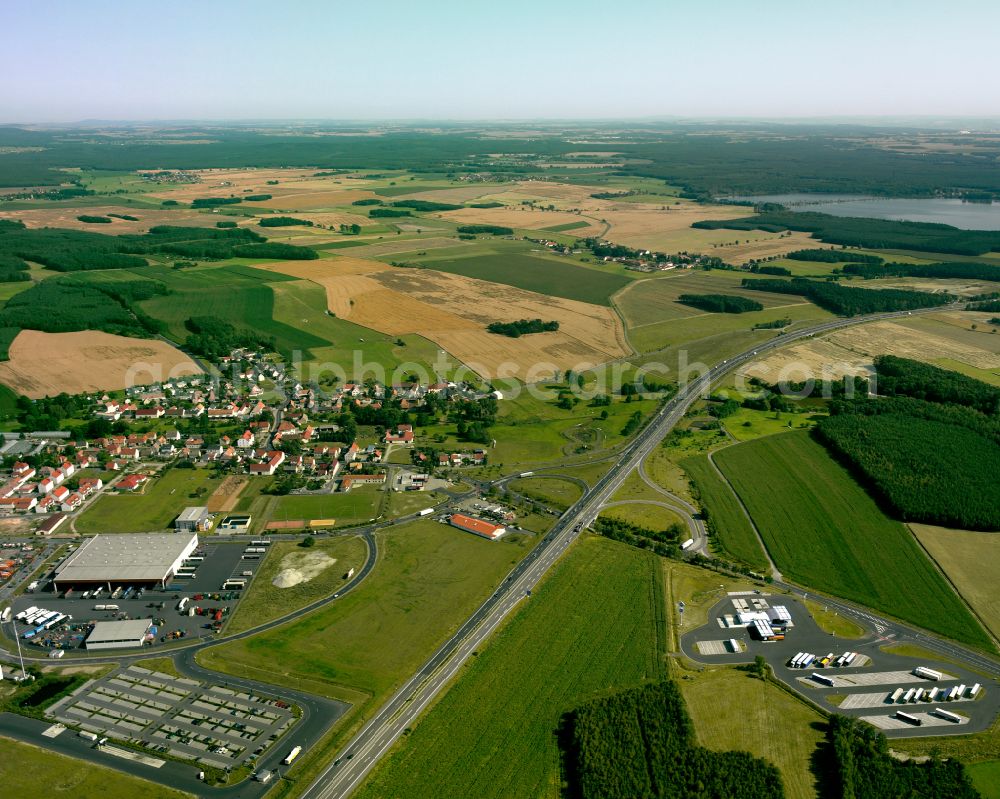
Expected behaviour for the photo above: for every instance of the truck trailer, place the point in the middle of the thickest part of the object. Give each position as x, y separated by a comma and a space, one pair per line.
927, 674
426, 512
909, 719
292, 755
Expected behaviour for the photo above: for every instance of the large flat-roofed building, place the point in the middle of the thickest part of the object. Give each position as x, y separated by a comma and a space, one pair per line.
142, 559
478, 526
118, 634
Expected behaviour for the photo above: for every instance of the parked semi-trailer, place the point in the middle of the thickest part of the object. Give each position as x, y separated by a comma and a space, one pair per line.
850, 658
5, 616
822, 679
909, 695
894, 697
808, 661
974, 691
794, 662
292, 755
933, 694
426, 512
927, 674
25, 613
908, 718
947, 714
960, 691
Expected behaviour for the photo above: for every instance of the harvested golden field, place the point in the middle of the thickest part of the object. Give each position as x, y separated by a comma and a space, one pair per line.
972, 562
459, 194
962, 288
226, 182
325, 268
852, 350
66, 217
453, 311
45, 364
765, 245
294, 200
515, 217
406, 245
225, 497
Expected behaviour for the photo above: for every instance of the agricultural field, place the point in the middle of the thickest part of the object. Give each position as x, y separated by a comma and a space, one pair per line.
62, 216
45, 364
971, 561
732, 534
941, 338
23, 765
453, 311
595, 625
321, 567
825, 532
733, 710
152, 509
428, 579
986, 778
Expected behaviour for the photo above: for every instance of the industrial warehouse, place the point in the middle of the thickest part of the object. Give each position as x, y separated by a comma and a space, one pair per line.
120, 634
107, 560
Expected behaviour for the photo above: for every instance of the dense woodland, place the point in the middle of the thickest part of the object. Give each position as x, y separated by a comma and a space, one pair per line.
869, 233
833, 257
969, 270
849, 300
283, 221
522, 327
494, 230
640, 743
388, 213
213, 338
720, 303
425, 205
865, 769
927, 451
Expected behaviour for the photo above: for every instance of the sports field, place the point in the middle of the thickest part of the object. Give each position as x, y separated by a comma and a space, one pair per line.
28, 771
428, 579
972, 562
825, 532
732, 534
358, 505
732, 710
265, 601
595, 625
154, 508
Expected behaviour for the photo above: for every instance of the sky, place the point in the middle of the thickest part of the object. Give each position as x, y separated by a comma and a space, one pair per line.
68, 60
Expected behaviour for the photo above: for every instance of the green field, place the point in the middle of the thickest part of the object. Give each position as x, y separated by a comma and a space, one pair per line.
358, 505
28, 771
732, 534
654, 517
265, 601
555, 493
986, 778
596, 625
155, 508
428, 579
825, 532
732, 710
549, 276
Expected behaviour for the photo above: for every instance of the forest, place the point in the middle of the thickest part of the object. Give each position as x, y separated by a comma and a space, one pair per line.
849, 300
865, 769
640, 743
927, 447
969, 270
869, 233
767, 269
283, 221
720, 303
496, 230
425, 205
388, 213
522, 327
213, 338
833, 257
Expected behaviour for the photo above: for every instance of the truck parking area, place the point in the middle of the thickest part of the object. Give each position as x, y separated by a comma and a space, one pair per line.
209, 724
195, 603
845, 676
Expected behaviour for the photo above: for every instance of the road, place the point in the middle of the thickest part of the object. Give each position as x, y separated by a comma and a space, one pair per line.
403, 708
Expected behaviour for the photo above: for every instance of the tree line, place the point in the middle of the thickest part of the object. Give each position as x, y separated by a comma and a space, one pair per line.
283, 221
850, 300
961, 269
495, 230
833, 256
640, 743
867, 233
213, 338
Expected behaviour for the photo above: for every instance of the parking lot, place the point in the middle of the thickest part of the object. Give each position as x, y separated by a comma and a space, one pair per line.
848, 689
206, 610
211, 724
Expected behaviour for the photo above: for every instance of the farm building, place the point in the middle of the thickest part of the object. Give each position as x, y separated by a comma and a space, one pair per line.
144, 559
478, 526
193, 520
118, 634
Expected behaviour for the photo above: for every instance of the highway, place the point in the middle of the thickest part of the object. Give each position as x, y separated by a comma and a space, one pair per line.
403, 708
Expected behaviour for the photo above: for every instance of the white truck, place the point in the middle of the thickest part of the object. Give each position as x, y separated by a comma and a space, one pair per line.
688, 544
292, 755
426, 512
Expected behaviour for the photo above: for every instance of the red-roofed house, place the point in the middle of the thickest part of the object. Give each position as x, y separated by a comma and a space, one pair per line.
130, 482
60, 494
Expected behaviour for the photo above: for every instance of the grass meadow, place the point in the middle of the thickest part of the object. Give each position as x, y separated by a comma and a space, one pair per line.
733, 536
594, 626
24, 768
825, 532
165, 496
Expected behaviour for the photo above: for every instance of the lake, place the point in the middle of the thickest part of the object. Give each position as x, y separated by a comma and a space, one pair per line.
958, 213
